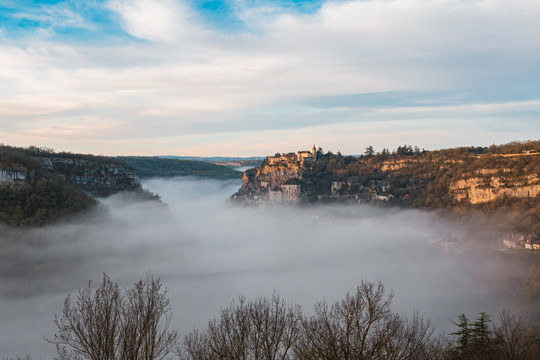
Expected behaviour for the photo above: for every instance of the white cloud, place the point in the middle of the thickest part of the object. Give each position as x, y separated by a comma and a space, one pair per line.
189, 80
154, 20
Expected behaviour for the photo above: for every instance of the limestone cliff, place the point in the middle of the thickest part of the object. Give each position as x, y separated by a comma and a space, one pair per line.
12, 172
445, 178
95, 174
278, 179
476, 190
270, 175
393, 165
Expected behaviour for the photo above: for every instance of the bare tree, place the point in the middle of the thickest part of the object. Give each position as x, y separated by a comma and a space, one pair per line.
362, 326
264, 329
413, 340
274, 328
90, 329
196, 346
145, 322
107, 324
513, 340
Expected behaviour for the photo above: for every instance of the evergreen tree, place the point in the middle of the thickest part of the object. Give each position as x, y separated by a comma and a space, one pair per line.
464, 332
480, 332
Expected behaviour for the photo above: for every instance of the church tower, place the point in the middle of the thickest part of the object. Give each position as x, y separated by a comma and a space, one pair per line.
314, 152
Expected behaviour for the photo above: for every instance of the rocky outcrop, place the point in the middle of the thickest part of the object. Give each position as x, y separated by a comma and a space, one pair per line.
10, 173
271, 181
397, 164
476, 190
269, 176
431, 179
98, 175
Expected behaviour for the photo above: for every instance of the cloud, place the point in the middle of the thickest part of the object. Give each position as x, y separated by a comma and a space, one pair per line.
154, 20
186, 78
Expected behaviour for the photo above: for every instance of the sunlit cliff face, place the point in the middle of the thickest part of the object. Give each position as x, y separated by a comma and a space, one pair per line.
208, 252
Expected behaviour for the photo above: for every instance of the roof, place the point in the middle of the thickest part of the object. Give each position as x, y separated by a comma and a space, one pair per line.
292, 181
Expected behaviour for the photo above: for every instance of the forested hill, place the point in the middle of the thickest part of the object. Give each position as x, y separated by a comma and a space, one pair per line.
501, 180
38, 185
149, 167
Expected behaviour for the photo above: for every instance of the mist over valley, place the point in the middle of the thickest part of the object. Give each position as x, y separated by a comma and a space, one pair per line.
208, 251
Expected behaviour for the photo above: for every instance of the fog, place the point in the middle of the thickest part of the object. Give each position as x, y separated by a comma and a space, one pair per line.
208, 252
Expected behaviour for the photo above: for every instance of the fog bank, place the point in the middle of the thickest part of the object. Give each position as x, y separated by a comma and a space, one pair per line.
208, 252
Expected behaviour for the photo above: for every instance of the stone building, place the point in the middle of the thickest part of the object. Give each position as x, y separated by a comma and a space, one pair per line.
514, 241
307, 156
291, 190
275, 195
300, 157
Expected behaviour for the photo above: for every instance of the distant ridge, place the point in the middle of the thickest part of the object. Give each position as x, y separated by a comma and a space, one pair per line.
213, 158
154, 166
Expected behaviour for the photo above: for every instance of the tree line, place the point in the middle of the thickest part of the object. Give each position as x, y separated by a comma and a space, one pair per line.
422, 179
149, 167
108, 323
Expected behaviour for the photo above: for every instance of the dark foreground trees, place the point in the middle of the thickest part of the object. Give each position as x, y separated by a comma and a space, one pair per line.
361, 326
263, 329
483, 340
133, 324
110, 324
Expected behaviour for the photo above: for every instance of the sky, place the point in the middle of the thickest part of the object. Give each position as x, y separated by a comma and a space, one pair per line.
256, 77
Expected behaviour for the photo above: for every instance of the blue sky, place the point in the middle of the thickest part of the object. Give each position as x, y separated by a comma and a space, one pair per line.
254, 77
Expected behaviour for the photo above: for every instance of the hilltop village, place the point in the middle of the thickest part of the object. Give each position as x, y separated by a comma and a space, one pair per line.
281, 179
501, 180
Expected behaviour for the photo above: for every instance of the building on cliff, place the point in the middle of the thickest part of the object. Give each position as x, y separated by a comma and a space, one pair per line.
514, 241
275, 195
303, 156
291, 190
307, 156
532, 243
288, 192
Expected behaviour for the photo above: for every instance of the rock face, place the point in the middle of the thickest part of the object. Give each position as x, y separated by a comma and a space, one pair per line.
277, 180
275, 183
10, 173
98, 176
397, 164
436, 179
270, 175
476, 190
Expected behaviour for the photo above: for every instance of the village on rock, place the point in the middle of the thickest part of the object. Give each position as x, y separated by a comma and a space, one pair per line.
280, 180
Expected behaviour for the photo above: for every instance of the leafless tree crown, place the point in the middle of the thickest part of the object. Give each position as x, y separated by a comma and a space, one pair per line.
108, 324
264, 329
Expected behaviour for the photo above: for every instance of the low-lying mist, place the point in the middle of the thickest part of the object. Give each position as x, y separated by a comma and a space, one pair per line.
207, 252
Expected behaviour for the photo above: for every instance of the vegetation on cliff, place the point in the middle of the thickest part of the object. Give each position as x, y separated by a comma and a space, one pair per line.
41, 197
149, 167
40, 201
500, 180
39, 186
